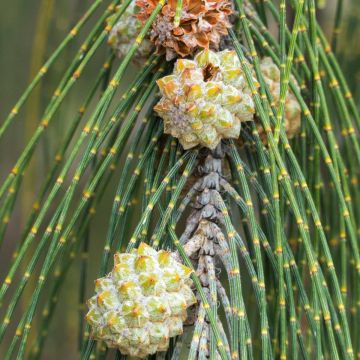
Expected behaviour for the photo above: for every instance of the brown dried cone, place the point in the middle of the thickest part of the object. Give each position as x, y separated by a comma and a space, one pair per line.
202, 24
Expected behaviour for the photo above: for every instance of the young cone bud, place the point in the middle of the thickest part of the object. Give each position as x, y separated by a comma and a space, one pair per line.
205, 99
292, 115
141, 303
123, 34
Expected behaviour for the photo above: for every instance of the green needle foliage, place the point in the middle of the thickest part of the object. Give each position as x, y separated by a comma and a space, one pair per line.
287, 282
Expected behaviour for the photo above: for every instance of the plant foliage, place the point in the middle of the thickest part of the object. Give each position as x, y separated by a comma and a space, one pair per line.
286, 209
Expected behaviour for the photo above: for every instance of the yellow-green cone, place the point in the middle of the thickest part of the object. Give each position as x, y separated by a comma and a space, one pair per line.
292, 115
141, 303
123, 34
205, 99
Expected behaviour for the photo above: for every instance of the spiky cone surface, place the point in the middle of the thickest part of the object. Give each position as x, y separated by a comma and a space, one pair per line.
205, 100
124, 33
292, 115
202, 24
141, 303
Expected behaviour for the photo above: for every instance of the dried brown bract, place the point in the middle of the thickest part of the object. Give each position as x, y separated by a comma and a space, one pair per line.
202, 24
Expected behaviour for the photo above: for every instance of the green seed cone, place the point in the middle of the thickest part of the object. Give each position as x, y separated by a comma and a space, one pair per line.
122, 36
141, 303
205, 99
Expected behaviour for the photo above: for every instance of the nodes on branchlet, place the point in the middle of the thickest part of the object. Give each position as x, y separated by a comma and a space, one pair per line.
142, 302
202, 24
292, 115
123, 34
205, 99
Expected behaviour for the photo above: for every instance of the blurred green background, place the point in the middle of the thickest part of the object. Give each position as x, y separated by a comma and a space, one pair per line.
29, 31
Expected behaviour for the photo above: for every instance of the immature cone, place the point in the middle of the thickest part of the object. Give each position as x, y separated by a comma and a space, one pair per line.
292, 115
202, 23
141, 303
123, 34
205, 99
